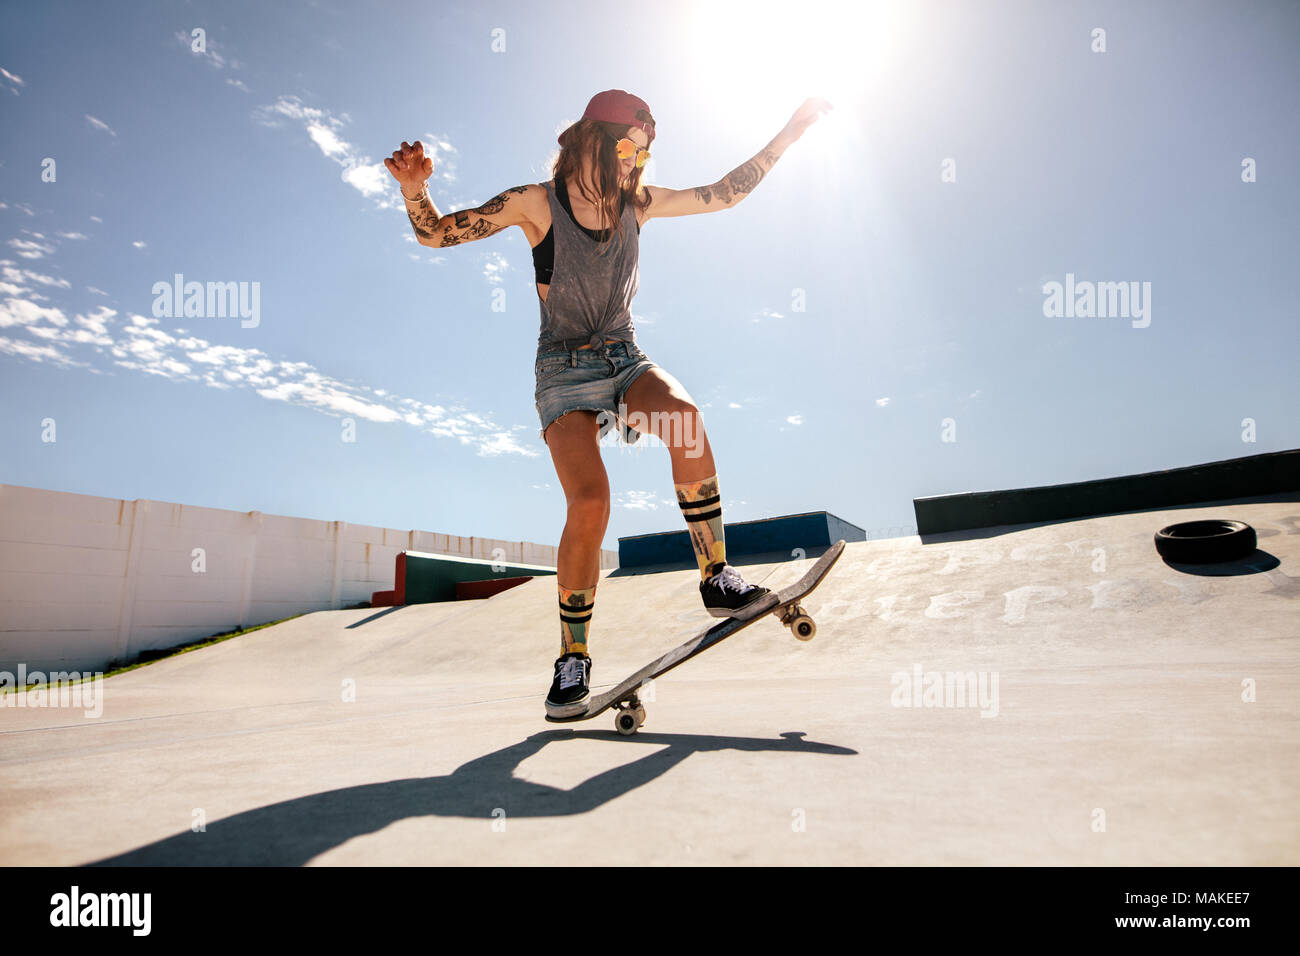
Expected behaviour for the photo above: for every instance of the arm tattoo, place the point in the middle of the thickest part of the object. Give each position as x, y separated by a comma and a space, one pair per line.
703, 194
745, 178
424, 217
466, 230
498, 202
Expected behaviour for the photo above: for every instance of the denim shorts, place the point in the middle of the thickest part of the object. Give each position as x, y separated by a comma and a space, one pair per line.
594, 379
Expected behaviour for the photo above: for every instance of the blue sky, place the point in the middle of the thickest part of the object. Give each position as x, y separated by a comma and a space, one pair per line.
975, 153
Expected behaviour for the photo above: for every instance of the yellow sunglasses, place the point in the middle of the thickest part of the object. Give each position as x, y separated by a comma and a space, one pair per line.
626, 148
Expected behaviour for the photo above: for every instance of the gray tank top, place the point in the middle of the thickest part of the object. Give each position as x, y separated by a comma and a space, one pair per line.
590, 296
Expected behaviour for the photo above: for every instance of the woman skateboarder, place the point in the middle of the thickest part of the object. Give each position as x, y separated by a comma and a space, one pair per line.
584, 226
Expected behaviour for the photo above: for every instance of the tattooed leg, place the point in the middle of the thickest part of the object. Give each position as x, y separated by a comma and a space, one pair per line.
701, 507
576, 606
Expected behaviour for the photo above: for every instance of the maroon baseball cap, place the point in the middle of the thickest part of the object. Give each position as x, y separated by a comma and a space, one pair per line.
619, 106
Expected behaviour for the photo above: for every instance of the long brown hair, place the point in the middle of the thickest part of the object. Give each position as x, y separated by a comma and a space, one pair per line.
596, 138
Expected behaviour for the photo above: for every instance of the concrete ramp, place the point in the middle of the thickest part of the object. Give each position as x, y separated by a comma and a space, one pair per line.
1050, 695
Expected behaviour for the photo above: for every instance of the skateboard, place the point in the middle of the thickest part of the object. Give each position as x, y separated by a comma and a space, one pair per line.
784, 604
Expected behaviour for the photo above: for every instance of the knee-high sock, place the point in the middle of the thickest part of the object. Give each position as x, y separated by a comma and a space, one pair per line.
702, 508
576, 605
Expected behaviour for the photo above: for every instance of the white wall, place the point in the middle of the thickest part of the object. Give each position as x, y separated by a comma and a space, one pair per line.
87, 580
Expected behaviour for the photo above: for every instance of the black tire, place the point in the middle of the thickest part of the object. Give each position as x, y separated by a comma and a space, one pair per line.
1204, 542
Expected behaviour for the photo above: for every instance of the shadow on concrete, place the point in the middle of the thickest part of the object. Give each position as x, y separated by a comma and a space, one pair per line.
376, 616
1256, 562
293, 832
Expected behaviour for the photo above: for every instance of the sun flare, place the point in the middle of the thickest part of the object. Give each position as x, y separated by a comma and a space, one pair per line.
768, 56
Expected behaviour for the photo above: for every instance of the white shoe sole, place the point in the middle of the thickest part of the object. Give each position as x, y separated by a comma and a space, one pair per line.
732, 612
567, 710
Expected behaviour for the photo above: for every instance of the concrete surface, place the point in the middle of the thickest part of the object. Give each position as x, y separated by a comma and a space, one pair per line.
1118, 735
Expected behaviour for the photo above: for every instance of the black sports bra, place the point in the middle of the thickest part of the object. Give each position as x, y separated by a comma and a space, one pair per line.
544, 251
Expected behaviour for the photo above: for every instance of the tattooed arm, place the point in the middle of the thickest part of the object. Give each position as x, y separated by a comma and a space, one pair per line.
424, 216
723, 194
410, 167
466, 225
741, 181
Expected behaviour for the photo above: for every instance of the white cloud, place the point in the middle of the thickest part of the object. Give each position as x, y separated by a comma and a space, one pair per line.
640, 500
73, 235
495, 267
794, 419
371, 180
13, 81
210, 51
327, 140
882, 402
23, 276
36, 353
325, 130
440, 150
31, 250
100, 124
501, 444
141, 343
20, 312
139, 244
97, 322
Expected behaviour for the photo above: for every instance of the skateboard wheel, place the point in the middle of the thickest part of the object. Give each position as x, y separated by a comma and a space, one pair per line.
803, 627
626, 723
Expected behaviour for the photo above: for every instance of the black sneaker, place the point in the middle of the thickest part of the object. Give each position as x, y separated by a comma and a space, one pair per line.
569, 690
725, 594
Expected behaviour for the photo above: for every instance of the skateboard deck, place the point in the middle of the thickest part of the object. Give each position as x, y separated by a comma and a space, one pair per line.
784, 604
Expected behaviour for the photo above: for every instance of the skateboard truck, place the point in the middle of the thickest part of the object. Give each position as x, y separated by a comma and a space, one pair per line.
629, 716
798, 620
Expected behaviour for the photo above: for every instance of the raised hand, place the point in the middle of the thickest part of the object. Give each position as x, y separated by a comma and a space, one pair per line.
808, 113
410, 167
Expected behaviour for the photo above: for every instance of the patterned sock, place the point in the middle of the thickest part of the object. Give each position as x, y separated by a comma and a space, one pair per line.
702, 509
575, 617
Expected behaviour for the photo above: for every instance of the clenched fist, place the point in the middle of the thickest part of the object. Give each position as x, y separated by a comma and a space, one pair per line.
410, 167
